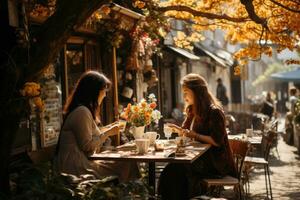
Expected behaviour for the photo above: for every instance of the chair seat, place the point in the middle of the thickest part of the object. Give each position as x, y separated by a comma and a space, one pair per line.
227, 180
255, 160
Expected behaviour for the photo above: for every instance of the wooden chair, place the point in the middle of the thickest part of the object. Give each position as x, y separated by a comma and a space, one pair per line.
239, 150
267, 142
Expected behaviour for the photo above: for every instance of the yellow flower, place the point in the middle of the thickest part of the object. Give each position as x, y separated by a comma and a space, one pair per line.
39, 103
144, 104
237, 70
31, 89
106, 10
141, 114
139, 4
98, 16
135, 108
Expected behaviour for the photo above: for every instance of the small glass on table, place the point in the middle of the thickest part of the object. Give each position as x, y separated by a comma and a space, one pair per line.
167, 131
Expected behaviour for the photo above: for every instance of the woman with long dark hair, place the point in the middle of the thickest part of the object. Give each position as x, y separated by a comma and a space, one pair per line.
80, 136
204, 122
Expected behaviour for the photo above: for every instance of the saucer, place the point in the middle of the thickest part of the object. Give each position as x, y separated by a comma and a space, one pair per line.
180, 154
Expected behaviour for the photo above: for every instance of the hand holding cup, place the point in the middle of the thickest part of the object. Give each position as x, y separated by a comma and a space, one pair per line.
175, 128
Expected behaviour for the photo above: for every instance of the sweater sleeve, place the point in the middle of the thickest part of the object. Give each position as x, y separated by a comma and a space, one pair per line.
82, 125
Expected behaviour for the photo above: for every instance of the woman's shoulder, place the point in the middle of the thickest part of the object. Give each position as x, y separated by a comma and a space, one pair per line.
81, 111
216, 110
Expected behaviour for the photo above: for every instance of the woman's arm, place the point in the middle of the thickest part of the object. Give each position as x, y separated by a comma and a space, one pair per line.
109, 131
199, 137
81, 123
175, 128
192, 134
106, 128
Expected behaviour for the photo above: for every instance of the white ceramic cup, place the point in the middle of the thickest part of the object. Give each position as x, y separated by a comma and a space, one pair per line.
142, 145
249, 132
152, 136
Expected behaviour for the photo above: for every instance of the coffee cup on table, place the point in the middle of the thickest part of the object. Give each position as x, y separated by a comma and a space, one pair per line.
152, 136
142, 145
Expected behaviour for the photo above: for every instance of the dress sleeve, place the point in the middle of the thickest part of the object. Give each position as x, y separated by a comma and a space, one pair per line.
82, 125
217, 126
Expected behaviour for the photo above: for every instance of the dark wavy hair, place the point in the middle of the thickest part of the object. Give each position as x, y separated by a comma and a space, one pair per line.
86, 92
203, 98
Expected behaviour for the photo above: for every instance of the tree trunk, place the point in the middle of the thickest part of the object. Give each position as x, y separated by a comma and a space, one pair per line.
56, 30
45, 46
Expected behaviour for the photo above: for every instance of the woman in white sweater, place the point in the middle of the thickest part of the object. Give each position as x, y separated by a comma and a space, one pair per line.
80, 136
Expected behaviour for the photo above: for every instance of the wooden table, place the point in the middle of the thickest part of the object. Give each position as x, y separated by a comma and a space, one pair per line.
255, 143
254, 140
193, 151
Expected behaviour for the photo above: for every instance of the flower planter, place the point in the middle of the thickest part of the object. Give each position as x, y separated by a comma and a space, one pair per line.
138, 132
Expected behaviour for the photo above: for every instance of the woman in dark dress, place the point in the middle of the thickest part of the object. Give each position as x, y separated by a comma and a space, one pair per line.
205, 122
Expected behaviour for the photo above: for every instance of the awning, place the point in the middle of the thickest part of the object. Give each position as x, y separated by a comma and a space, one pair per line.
290, 76
184, 53
222, 57
127, 11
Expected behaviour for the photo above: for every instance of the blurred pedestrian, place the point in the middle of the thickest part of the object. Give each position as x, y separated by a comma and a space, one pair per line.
289, 125
292, 99
222, 93
268, 105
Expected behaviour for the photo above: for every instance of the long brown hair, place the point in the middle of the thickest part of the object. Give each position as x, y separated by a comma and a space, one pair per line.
203, 98
86, 92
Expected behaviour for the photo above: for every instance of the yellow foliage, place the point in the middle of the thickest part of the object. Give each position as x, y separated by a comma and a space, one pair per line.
139, 4
106, 10
237, 70
33, 90
39, 103
283, 25
181, 40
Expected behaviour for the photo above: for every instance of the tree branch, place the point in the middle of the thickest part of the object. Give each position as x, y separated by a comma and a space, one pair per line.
56, 30
252, 14
200, 13
285, 7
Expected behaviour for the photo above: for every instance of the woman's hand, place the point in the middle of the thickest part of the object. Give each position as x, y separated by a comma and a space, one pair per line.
113, 130
175, 128
189, 133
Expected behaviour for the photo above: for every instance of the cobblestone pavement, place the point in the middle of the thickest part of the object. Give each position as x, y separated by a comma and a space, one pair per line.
285, 175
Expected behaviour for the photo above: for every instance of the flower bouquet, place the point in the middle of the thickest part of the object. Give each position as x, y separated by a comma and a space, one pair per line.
142, 114
32, 90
